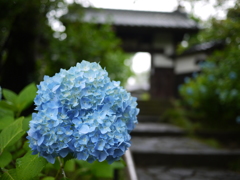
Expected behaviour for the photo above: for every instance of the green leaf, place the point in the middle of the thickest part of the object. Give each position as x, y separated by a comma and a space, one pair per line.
26, 96
98, 169
10, 96
26, 146
11, 134
70, 165
5, 159
10, 175
102, 169
118, 164
6, 108
30, 166
5, 121
5, 111
25, 125
48, 178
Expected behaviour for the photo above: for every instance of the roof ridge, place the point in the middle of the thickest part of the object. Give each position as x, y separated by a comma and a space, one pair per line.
141, 11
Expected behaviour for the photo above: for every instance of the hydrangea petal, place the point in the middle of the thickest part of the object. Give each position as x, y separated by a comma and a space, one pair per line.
84, 129
40, 140
64, 152
82, 155
101, 155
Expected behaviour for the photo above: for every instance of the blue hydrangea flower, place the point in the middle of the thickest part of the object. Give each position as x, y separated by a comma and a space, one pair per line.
194, 75
232, 75
83, 113
203, 89
187, 79
238, 119
189, 91
211, 77
234, 92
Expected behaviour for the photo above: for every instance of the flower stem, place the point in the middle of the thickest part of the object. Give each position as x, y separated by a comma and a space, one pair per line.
61, 166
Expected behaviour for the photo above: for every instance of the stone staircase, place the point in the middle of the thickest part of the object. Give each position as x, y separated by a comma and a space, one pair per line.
163, 151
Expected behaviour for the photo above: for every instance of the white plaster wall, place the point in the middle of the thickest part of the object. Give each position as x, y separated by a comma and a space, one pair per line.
187, 64
160, 60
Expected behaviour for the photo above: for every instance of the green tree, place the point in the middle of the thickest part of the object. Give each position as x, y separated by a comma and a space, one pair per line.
23, 24
29, 48
87, 41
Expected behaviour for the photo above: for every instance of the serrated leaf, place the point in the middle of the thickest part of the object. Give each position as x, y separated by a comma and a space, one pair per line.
11, 134
26, 96
30, 166
5, 121
5, 159
10, 175
10, 96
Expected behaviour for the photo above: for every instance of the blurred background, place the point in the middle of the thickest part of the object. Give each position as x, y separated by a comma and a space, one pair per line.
179, 57
179, 48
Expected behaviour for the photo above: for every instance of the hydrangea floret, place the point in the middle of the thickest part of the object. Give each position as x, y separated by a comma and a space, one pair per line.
82, 113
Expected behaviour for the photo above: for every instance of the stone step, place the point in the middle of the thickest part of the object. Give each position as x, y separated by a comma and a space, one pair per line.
224, 136
157, 129
181, 151
183, 173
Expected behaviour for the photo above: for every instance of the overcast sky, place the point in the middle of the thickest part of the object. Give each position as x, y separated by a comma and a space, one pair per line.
202, 9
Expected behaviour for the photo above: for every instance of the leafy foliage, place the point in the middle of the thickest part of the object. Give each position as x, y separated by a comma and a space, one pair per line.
100, 170
86, 41
31, 48
179, 116
25, 97
214, 95
6, 121
14, 104
5, 158
30, 166
9, 175
11, 134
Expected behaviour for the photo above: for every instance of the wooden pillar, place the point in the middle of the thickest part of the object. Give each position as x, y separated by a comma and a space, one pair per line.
162, 77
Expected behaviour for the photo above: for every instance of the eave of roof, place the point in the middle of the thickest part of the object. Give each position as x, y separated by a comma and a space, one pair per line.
203, 47
169, 20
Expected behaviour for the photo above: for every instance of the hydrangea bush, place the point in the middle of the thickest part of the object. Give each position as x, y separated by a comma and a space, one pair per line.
213, 95
82, 113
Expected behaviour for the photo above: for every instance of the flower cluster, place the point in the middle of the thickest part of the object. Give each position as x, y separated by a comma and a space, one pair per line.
82, 113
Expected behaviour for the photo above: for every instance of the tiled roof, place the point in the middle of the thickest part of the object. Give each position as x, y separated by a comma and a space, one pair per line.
172, 20
205, 46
